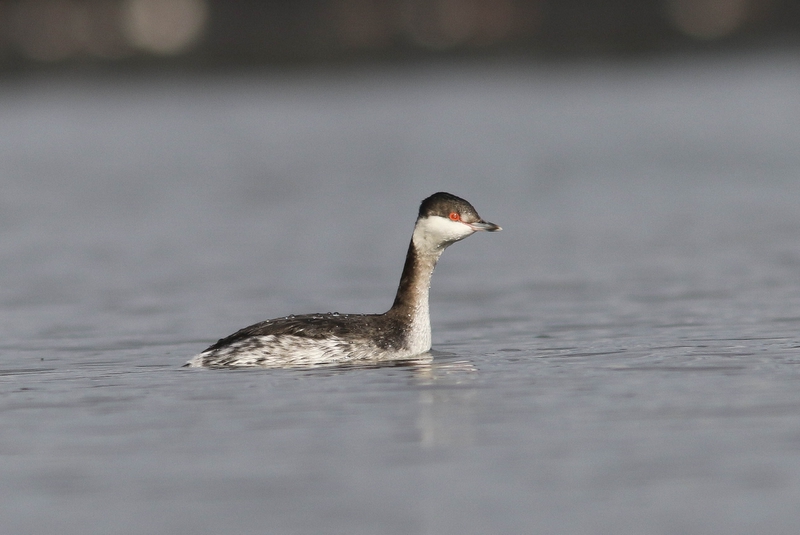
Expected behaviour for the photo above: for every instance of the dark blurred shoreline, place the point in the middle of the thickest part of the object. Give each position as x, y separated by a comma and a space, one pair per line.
115, 35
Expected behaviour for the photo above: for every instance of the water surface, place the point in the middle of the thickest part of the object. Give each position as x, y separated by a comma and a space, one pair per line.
622, 358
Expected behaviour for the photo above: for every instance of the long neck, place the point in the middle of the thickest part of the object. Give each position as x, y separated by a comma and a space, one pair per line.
411, 302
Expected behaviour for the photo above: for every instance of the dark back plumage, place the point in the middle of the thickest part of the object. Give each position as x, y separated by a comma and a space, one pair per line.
375, 327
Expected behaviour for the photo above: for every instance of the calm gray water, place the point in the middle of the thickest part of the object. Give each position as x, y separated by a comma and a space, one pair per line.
624, 358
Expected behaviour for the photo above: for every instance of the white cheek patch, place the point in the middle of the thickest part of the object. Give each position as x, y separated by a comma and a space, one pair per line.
435, 232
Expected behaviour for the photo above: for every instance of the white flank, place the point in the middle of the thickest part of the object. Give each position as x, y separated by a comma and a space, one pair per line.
290, 351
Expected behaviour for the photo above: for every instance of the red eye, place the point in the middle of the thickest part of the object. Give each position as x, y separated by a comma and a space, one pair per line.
455, 216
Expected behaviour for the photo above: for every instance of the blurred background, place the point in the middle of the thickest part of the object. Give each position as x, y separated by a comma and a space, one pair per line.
210, 33
622, 359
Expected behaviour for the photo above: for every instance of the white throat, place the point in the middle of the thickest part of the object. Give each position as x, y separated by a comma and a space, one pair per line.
433, 234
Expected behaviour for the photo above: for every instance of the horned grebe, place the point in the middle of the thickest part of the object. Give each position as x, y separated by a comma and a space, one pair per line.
402, 332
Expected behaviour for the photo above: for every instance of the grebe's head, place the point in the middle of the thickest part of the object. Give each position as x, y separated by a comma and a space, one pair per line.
445, 219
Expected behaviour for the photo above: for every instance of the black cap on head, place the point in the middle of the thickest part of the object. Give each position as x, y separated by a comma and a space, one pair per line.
443, 204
